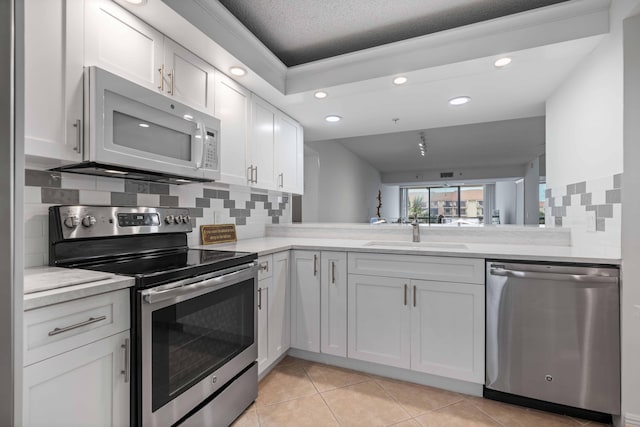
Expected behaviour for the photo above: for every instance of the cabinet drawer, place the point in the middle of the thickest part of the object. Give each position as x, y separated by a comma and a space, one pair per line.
52, 330
445, 269
265, 264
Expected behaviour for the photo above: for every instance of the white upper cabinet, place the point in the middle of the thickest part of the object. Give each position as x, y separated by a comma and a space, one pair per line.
261, 172
54, 79
289, 155
232, 103
188, 78
123, 44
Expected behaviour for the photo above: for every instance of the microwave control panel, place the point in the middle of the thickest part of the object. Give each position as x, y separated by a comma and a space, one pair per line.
211, 151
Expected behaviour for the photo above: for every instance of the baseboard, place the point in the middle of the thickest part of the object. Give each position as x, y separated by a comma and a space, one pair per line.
631, 420
391, 372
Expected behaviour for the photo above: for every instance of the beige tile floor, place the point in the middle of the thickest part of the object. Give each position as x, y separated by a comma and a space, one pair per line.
301, 393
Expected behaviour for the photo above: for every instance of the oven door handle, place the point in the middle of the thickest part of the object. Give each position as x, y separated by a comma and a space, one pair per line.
153, 296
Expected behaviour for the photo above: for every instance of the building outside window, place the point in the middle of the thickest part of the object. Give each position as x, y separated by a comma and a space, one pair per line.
443, 204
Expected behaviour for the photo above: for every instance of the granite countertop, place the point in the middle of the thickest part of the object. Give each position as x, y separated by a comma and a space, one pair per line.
52, 285
269, 245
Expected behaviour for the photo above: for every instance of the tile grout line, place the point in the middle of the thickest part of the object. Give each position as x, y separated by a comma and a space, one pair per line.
322, 397
484, 412
395, 400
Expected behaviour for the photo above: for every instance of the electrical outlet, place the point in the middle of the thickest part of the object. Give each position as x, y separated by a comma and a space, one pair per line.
591, 221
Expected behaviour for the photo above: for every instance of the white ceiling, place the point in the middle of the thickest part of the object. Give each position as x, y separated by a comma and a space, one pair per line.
301, 31
507, 142
545, 44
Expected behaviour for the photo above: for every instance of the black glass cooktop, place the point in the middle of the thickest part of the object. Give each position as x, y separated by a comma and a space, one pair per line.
155, 269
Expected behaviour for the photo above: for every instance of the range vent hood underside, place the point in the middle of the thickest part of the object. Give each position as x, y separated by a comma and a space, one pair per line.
112, 171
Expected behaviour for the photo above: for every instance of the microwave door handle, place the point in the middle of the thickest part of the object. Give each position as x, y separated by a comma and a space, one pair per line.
200, 133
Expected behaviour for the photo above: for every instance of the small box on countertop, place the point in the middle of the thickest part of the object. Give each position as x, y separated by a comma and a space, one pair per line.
218, 233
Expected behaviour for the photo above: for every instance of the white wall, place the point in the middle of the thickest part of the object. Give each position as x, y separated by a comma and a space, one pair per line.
506, 201
347, 186
390, 202
531, 191
584, 135
310, 206
585, 142
630, 224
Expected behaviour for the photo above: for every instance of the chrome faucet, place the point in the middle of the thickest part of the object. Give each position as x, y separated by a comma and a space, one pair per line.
416, 230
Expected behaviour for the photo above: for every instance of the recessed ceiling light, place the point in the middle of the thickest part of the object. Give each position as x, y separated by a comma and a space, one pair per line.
143, 125
333, 118
502, 62
400, 80
115, 172
136, 2
238, 71
182, 180
459, 100
320, 94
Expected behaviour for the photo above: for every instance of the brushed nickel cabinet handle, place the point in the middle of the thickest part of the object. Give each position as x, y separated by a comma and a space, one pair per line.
171, 81
78, 126
315, 265
265, 266
127, 356
161, 71
250, 174
281, 176
333, 272
89, 321
259, 298
405, 294
414, 295
256, 178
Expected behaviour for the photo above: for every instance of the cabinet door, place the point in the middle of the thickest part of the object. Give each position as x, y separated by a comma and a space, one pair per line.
333, 302
263, 324
279, 307
379, 320
82, 387
232, 108
288, 153
262, 141
447, 328
54, 38
189, 79
305, 300
122, 44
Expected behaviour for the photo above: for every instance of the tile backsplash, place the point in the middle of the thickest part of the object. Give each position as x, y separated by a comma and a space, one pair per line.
208, 203
568, 206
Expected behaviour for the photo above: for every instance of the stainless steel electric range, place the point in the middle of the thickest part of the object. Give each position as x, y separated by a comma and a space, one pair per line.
193, 311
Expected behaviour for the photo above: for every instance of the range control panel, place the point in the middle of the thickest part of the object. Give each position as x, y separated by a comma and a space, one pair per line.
77, 222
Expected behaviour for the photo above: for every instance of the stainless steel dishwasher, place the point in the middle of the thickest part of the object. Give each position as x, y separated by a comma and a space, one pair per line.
553, 336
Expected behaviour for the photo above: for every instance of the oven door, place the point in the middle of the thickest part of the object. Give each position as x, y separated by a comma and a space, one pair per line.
194, 338
132, 126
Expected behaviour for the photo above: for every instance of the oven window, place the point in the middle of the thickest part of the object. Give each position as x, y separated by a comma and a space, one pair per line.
149, 137
193, 338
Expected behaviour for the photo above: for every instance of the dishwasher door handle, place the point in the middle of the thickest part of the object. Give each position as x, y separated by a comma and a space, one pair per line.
564, 277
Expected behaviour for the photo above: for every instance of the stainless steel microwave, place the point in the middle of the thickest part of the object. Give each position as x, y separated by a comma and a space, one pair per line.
139, 133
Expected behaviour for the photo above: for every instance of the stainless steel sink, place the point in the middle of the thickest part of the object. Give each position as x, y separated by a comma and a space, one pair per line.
423, 245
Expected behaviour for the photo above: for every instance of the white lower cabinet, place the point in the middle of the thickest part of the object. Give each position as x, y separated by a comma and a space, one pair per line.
379, 320
78, 362
447, 329
82, 387
430, 326
305, 300
273, 308
333, 303
263, 324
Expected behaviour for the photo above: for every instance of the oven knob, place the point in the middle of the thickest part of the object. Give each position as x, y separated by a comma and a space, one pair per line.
178, 219
186, 219
88, 220
71, 221
168, 219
